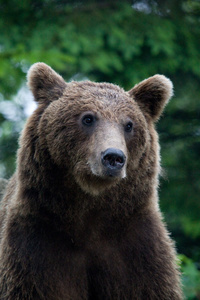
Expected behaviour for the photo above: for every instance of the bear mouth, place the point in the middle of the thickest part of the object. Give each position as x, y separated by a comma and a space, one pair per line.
96, 179
105, 178
97, 184
109, 174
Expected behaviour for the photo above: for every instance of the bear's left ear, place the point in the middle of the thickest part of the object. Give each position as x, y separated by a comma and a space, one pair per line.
152, 95
45, 84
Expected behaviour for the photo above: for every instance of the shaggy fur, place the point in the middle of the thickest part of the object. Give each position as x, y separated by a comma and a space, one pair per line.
69, 230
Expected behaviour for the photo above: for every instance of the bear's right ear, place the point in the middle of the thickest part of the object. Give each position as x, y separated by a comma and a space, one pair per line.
152, 94
45, 84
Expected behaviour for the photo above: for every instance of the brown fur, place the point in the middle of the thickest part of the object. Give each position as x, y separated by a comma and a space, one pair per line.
68, 230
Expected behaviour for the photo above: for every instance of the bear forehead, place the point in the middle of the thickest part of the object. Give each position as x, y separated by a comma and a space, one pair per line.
99, 90
104, 99
98, 95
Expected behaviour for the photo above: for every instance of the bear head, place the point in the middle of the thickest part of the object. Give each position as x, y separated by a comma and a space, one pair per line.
97, 132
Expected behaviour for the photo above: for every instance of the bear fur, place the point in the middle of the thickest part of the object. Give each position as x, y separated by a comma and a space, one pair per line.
80, 218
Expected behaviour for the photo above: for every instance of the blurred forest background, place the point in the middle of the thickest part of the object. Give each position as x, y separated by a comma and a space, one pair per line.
122, 42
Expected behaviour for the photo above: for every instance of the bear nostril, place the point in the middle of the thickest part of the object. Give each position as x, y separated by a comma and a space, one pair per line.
113, 158
119, 160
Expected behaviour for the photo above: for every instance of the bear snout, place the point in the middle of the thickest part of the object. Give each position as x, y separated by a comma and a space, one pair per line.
113, 161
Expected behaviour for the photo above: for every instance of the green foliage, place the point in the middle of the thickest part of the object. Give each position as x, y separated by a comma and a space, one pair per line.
180, 151
116, 42
8, 146
105, 42
190, 278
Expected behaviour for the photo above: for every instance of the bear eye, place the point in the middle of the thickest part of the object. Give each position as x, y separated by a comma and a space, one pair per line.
129, 127
88, 120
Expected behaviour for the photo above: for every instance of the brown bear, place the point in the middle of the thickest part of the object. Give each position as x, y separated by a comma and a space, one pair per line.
80, 218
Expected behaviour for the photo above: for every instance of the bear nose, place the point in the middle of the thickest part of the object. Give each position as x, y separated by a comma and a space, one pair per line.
113, 159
